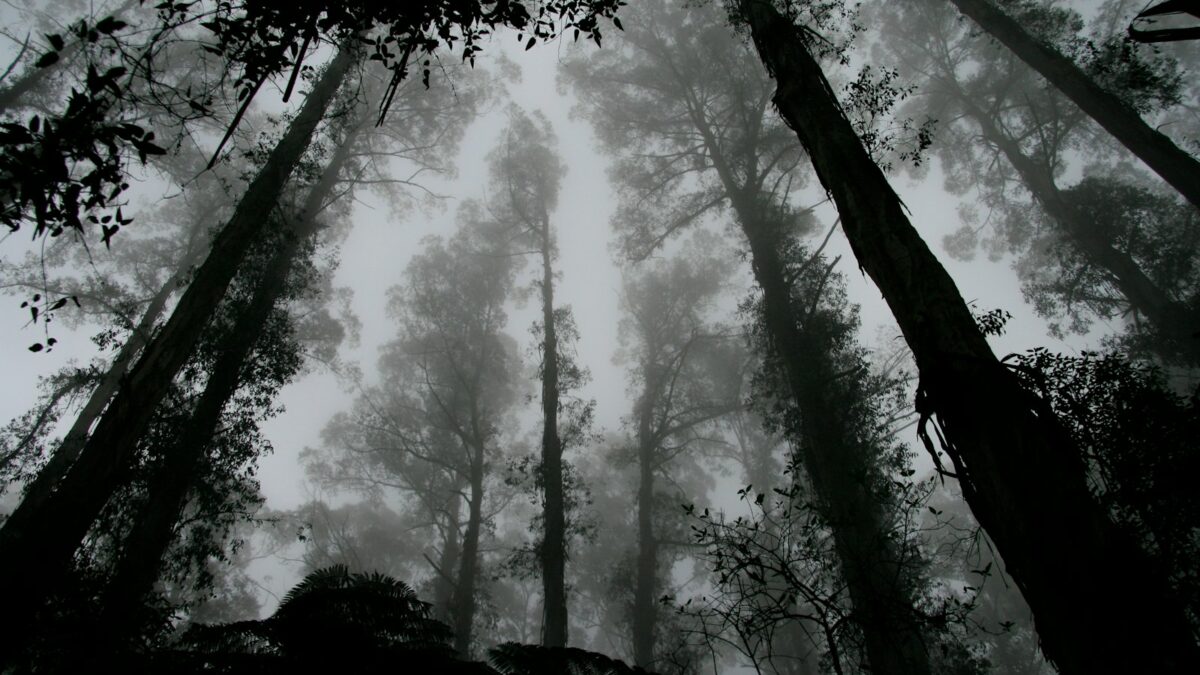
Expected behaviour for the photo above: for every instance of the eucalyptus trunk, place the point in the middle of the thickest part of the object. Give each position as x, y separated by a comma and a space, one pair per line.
38, 542
1020, 471
1174, 165
154, 529
443, 598
41, 487
882, 604
554, 542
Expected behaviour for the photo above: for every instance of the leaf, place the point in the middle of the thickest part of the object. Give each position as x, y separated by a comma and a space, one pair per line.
36, 347
529, 45
110, 25
56, 41
48, 59
617, 23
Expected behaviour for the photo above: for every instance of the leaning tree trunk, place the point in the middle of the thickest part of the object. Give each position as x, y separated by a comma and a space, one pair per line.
1177, 325
882, 605
1175, 166
645, 623
839, 468
468, 571
41, 487
153, 531
36, 544
554, 542
1019, 469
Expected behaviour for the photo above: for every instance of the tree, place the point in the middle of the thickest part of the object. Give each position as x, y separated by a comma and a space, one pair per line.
1029, 126
258, 43
1014, 460
674, 357
43, 537
437, 424
525, 173
1175, 166
696, 104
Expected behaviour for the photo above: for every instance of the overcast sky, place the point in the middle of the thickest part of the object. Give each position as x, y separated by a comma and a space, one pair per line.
378, 248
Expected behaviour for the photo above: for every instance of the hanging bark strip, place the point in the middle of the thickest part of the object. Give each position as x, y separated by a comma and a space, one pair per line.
1176, 167
36, 544
1020, 471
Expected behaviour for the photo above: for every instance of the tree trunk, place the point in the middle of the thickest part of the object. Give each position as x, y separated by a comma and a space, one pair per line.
443, 599
882, 605
40, 489
464, 589
1019, 469
37, 543
839, 467
153, 532
1175, 166
1173, 320
554, 543
645, 618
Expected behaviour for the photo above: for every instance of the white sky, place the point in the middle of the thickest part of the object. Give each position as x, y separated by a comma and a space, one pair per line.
376, 253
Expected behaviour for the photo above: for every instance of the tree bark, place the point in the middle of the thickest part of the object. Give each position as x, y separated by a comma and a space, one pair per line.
37, 543
1019, 469
1175, 166
1175, 323
554, 543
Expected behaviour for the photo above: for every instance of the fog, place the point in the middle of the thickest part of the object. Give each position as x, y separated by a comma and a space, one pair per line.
735, 477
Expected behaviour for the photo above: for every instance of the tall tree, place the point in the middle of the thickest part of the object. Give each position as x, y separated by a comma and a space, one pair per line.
1032, 130
697, 103
1016, 463
1174, 165
436, 424
39, 540
152, 532
674, 354
525, 177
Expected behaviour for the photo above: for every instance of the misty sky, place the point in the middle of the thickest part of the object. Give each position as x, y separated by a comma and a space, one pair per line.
377, 250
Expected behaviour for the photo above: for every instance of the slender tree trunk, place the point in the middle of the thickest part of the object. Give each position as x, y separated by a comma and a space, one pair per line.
645, 618
1175, 323
153, 532
443, 602
1019, 469
1175, 166
36, 544
839, 468
871, 563
40, 489
464, 590
554, 544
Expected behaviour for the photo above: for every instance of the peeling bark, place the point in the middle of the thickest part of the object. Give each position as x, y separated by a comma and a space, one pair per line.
1019, 469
